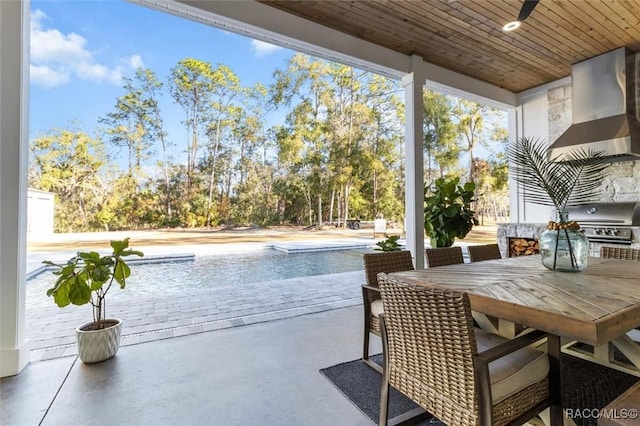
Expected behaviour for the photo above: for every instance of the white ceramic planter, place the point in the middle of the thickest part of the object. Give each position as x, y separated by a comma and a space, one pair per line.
98, 345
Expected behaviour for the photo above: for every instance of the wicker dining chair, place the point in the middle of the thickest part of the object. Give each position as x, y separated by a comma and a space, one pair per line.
620, 253
374, 263
431, 355
484, 252
442, 256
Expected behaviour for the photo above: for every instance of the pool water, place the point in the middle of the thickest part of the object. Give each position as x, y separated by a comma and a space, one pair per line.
226, 270
222, 270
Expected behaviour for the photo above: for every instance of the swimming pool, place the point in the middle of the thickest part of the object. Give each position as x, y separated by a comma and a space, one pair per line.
222, 270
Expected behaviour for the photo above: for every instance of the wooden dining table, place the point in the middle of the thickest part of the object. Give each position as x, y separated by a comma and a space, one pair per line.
596, 307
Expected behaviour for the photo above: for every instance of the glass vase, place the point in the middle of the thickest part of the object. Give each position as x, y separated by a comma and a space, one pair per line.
563, 247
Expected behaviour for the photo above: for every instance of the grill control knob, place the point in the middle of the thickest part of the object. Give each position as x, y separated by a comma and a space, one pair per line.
598, 231
613, 232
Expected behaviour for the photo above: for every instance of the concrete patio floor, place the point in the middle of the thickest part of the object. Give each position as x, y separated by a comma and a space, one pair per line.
258, 374
160, 315
225, 356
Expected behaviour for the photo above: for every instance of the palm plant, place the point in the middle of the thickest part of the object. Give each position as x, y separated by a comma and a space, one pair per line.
571, 179
558, 181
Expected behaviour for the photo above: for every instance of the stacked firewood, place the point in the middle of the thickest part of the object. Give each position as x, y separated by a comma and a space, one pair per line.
523, 247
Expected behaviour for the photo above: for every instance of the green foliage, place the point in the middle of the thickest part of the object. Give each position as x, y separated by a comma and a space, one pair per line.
342, 138
447, 211
441, 147
88, 276
337, 152
492, 191
70, 164
390, 243
191, 85
559, 181
134, 123
471, 125
499, 172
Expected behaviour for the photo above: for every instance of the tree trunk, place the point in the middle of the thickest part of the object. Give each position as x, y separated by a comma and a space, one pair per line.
280, 209
339, 213
333, 198
165, 172
347, 189
309, 205
213, 172
374, 207
319, 211
192, 152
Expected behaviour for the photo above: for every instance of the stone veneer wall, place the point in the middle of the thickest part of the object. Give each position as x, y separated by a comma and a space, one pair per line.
622, 180
533, 230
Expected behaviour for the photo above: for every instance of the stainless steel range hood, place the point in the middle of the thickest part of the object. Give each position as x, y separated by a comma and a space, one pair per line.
604, 107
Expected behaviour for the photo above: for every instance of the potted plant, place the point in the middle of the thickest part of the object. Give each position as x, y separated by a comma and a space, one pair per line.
87, 278
572, 179
447, 211
390, 243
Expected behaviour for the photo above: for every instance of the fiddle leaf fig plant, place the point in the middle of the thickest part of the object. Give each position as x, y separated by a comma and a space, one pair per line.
88, 277
447, 211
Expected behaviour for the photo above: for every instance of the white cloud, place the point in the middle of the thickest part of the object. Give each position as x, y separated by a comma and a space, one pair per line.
53, 46
135, 62
261, 48
99, 73
47, 77
56, 56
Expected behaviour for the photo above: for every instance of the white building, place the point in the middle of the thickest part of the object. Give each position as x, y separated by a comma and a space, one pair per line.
40, 210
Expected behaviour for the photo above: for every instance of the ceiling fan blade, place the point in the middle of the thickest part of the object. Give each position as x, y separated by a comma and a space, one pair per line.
527, 8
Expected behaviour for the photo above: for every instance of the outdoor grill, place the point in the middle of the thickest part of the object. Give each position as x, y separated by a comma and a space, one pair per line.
611, 223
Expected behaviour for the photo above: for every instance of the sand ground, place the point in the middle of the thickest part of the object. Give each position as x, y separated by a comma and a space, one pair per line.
76, 241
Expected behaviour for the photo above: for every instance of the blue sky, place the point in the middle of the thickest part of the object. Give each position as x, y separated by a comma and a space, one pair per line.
81, 49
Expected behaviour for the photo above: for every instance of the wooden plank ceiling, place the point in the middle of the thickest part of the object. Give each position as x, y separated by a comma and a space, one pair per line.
466, 35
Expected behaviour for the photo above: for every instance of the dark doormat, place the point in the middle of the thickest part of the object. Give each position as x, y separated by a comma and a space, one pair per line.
586, 386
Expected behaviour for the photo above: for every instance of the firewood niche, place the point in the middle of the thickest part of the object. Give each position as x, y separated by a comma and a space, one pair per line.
523, 246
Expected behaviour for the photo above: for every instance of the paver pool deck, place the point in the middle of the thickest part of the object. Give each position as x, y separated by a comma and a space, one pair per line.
51, 330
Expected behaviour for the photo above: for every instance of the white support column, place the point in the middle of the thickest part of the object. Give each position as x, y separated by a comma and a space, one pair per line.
413, 85
14, 86
516, 203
